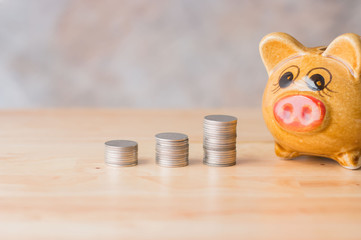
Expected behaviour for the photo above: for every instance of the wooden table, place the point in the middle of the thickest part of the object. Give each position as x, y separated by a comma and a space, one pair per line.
54, 183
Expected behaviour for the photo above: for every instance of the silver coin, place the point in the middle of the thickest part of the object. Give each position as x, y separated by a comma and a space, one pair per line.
172, 142
219, 127
176, 154
114, 159
220, 118
167, 165
171, 157
171, 136
219, 165
114, 156
172, 145
220, 157
173, 165
121, 143
170, 154
219, 151
121, 162
117, 160
222, 139
172, 149
220, 132
121, 153
171, 162
121, 150
122, 165
219, 147
219, 160
219, 140
220, 135
120, 159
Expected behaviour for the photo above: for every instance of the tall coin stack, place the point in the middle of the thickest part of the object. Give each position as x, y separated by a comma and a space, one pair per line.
171, 149
121, 153
219, 140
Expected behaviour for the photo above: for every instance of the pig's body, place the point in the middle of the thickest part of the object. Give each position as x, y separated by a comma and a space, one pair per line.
312, 101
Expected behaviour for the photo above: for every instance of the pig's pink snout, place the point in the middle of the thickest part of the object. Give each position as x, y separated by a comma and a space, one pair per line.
299, 113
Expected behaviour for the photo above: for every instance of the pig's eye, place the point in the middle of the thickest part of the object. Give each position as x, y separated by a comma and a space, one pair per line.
286, 79
288, 75
316, 83
318, 79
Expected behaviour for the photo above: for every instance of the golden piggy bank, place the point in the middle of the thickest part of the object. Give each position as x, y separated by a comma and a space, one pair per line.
312, 101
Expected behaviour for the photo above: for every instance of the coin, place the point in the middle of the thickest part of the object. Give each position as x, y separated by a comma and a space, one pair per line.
121, 153
171, 136
171, 149
219, 140
220, 119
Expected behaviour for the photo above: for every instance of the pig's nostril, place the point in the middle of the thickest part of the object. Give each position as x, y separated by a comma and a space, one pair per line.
287, 111
306, 114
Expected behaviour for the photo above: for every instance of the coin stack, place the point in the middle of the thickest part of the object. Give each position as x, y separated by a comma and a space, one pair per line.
121, 153
219, 140
171, 149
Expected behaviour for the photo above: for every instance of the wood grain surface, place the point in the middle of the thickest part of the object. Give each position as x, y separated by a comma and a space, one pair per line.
54, 183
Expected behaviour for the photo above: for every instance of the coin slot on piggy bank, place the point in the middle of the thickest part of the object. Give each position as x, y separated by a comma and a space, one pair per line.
312, 100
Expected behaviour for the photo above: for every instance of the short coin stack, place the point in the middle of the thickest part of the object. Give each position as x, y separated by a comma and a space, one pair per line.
219, 140
121, 153
171, 149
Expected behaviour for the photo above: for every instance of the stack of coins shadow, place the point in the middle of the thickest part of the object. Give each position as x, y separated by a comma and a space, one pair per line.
219, 140
121, 153
171, 149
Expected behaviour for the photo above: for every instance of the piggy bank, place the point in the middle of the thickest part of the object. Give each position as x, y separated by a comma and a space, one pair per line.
312, 101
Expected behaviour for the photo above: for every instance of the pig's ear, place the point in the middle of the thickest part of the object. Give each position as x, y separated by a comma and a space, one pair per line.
347, 49
278, 46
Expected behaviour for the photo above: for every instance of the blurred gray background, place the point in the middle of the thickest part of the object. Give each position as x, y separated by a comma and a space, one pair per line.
151, 53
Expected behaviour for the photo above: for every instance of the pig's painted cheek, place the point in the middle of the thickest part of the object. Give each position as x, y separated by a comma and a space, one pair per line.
299, 113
